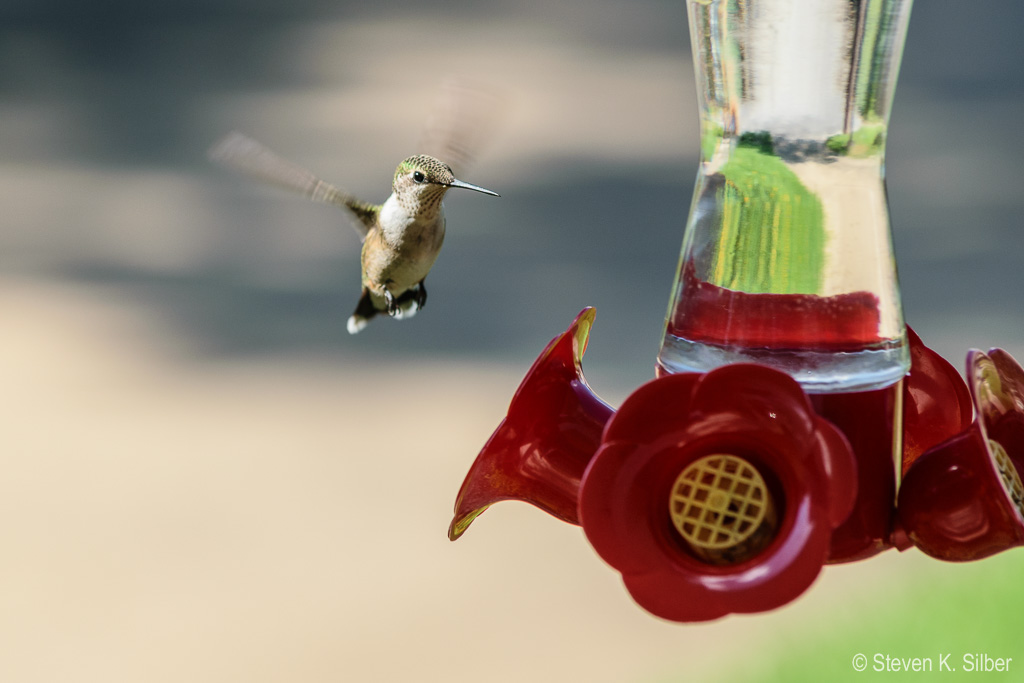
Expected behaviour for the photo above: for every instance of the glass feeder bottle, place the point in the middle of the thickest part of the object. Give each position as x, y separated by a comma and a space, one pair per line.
787, 257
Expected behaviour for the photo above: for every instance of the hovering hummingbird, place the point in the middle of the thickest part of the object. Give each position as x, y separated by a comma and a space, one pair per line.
401, 237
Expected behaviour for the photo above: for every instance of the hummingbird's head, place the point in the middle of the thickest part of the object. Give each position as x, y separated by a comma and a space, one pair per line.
423, 181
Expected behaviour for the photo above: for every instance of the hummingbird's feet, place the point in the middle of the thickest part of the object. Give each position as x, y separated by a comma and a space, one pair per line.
404, 305
392, 303
421, 294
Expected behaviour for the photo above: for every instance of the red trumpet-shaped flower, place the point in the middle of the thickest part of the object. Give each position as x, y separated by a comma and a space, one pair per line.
717, 493
539, 451
963, 499
936, 401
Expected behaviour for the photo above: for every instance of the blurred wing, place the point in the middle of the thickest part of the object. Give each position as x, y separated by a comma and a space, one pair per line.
245, 155
464, 119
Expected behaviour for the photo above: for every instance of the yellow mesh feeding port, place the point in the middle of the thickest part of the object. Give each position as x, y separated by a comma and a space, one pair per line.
1008, 474
722, 508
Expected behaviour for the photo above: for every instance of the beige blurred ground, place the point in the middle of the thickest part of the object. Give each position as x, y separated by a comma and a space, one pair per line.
284, 520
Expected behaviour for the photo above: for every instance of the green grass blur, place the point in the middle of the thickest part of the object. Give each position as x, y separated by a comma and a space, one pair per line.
973, 608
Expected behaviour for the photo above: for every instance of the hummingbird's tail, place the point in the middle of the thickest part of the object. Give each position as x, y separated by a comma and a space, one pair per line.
365, 310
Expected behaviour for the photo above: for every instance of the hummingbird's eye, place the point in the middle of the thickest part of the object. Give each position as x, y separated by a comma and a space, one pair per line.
418, 176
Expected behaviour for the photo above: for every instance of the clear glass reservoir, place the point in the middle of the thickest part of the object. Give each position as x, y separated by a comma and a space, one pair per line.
787, 256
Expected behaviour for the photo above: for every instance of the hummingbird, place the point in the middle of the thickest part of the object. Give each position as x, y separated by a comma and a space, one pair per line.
401, 237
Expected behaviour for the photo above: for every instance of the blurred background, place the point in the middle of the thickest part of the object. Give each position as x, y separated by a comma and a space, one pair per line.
203, 477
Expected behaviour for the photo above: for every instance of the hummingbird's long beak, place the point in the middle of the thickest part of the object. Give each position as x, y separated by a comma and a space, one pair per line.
475, 188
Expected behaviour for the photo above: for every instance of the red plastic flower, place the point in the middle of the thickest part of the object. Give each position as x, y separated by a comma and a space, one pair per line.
936, 402
963, 499
539, 451
717, 493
